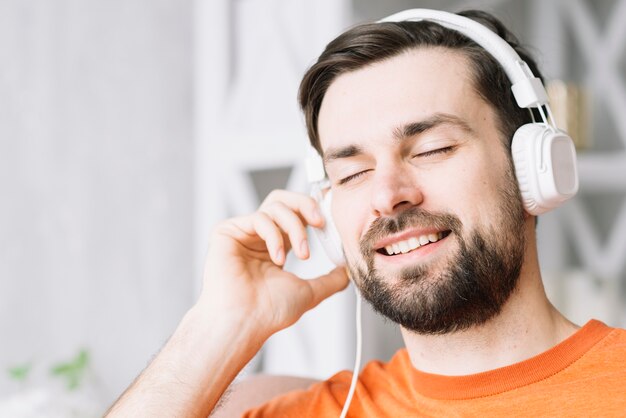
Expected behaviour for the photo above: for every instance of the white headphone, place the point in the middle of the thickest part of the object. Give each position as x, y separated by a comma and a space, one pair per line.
544, 156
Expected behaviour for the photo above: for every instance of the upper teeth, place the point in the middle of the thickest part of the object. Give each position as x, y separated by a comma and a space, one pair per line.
412, 243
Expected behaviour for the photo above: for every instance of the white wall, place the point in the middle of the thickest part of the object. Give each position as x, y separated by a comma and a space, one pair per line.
95, 182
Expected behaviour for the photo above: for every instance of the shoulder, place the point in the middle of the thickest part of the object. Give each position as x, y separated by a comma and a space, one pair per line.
326, 398
613, 341
306, 401
602, 357
256, 390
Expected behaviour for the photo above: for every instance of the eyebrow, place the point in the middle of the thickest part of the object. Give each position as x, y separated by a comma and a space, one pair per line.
343, 152
436, 120
403, 132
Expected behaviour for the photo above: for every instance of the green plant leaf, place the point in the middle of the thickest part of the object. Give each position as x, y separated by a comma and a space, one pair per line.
19, 373
72, 372
82, 359
61, 369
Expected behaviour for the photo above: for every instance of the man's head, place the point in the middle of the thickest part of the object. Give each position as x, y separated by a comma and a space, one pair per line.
369, 43
414, 123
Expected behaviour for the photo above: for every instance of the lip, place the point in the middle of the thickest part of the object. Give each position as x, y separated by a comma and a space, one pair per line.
417, 254
403, 236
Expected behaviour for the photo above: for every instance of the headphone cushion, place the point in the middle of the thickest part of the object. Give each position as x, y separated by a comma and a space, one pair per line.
545, 167
524, 141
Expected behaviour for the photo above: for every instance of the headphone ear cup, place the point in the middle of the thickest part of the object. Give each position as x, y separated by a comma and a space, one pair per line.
328, 236
545, 167
521, 151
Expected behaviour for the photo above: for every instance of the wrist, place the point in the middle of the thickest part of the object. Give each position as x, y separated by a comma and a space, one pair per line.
205, 353
208, 328
229, 317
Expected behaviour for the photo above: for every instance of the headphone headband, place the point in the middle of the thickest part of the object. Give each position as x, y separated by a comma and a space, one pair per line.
527, 89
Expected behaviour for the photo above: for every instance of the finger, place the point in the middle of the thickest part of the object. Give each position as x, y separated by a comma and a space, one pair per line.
327, 285
292, 224
300, 203
271, 234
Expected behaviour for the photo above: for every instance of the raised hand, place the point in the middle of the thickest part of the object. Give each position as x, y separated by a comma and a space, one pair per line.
246, 297
244, 278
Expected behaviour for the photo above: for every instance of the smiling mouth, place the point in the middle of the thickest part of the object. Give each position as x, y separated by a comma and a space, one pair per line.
413, 243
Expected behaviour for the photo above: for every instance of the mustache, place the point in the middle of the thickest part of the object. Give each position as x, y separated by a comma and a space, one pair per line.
414, 217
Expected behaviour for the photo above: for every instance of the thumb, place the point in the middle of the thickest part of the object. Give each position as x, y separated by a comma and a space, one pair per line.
327, 285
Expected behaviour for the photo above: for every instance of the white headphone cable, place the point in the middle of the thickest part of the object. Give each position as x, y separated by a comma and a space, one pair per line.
357, 361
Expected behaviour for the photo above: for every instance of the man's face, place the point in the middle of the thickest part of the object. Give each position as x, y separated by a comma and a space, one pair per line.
423, 192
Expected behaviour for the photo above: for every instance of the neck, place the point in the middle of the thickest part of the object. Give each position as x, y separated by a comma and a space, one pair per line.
527, 325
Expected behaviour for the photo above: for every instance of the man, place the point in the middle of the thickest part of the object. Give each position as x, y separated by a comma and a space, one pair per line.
414, 123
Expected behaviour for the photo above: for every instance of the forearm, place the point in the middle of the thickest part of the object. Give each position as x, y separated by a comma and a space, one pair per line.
193, 369
246, 297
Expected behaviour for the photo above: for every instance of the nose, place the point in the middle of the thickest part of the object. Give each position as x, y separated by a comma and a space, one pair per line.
394, 189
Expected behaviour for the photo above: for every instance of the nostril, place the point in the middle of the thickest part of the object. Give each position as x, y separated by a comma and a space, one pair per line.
402, 205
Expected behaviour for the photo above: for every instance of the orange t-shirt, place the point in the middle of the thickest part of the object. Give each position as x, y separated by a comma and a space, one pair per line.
583, 376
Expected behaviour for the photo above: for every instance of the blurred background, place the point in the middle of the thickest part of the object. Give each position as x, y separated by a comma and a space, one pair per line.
129, 128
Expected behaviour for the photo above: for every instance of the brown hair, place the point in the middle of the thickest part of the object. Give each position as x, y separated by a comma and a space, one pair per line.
373, 42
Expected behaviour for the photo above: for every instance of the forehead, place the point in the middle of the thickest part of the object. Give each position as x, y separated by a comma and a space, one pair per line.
371, 102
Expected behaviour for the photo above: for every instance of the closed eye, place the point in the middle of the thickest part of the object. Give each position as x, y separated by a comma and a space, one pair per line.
351, 177
355, 176
443, 150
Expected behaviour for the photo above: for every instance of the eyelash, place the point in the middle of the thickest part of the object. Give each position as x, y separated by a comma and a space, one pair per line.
435, 151
352, 177
443, 150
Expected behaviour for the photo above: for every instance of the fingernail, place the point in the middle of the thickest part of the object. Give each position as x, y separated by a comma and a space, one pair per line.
304, 247
317, 215
279, 255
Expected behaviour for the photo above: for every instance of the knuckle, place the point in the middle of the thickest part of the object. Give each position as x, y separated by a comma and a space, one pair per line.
260, 219
310, 203
222, 227
272, 206
274, 195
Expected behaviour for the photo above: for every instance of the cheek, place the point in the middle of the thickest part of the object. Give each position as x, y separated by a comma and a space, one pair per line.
484, 183
468, 189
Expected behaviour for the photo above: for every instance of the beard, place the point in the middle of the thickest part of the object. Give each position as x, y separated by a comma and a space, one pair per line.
456, 293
